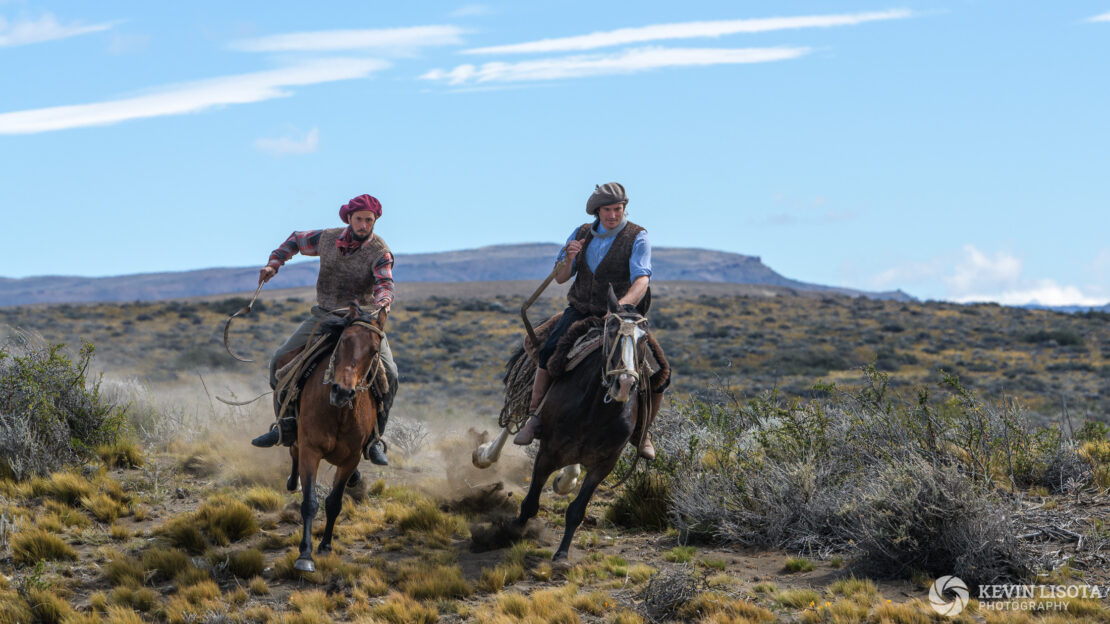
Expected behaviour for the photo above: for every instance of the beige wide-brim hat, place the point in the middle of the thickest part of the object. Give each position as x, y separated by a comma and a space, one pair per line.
605, 194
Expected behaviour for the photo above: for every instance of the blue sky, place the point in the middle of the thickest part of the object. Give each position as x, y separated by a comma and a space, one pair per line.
958, 150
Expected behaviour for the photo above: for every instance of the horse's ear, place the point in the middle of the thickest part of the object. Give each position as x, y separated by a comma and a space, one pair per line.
380, 321
614, 303
353, 311
645, 303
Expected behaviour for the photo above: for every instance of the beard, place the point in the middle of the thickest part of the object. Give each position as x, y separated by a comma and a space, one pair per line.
361, 238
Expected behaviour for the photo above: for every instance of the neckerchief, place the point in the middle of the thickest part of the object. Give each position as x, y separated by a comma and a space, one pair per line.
347, 244
601, 232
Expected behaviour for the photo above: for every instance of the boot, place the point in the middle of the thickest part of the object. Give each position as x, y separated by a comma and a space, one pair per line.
287, 434
645, 448
375, 452
530, 430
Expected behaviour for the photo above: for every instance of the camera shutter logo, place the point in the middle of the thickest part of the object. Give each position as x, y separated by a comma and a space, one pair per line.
944, 587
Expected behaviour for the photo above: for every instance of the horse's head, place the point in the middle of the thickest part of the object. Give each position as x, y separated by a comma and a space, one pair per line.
625, 331
355, 361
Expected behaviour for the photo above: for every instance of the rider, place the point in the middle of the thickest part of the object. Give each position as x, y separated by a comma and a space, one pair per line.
617, 252
354, 264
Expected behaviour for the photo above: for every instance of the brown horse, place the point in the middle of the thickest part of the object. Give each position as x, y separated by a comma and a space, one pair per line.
337, 416
589, 416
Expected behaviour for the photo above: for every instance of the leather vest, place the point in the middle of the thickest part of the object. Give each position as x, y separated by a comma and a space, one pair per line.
589, 294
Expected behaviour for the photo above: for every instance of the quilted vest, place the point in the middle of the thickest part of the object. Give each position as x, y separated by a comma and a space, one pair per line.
344, 278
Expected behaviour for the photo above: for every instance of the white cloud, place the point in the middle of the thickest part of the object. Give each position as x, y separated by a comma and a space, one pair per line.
626, 62
688, 30
125, 44
978, 272
1105, 17
45, 28
385, 40
973, 276
284, 146
189, 97
472, 10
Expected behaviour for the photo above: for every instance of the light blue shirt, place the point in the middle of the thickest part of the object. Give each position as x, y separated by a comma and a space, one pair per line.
639, 263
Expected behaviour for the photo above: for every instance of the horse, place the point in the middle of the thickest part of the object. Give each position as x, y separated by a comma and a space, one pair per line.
337, 418
590, 414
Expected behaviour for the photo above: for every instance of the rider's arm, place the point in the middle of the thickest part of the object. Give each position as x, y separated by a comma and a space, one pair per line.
639, 269
383, 281
306, 243
568, 269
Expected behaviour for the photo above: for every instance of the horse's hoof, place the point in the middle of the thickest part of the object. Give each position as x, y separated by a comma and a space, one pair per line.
560, 562
291, 484
354, 479
305, 565
475, 458
323, 549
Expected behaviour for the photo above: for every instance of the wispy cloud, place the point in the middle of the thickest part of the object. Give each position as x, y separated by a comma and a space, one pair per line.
1105, 17
472, 10
625, 62
385, 40
190, 97
688, 30
45, 28
285, 146
974, 275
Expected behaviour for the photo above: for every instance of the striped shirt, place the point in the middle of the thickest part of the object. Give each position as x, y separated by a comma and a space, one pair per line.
307, 243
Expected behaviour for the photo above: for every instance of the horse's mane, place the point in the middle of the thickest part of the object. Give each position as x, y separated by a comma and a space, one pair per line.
333, 324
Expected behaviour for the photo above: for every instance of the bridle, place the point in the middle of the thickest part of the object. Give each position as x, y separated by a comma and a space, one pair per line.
628, 335
371, 373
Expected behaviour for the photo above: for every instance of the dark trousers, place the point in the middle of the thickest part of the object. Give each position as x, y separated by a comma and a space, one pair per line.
570, 317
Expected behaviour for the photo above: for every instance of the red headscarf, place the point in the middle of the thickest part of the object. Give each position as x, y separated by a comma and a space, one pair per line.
362, 202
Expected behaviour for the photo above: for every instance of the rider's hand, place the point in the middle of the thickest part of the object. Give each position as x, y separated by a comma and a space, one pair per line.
573, 247
266, 273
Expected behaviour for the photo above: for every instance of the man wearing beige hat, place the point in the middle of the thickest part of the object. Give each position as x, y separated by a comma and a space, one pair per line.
611, 250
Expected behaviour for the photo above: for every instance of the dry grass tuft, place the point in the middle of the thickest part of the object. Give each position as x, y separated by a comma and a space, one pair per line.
642, 503
67, 487
121, 454
66, 515
798, 564
372, 582
117, 614
103, 507
118, 532
714, 606
425, 517
48, 607
163, 564
798, 598
31, 545
183, 533
496, 578
424, 581
401, 609
246, 563
862, 591
679, 554
123, 569
226, 519
16, 490
264, 498
142, 599
258, 586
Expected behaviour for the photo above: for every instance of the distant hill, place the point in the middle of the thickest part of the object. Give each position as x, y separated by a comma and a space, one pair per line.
531, 261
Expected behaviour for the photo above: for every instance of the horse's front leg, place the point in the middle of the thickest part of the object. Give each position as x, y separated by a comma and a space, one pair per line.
309, 507
542, 469
576, 511
291, 482
485, 455
333, 504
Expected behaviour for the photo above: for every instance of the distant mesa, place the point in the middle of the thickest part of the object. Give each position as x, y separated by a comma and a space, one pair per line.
529, 261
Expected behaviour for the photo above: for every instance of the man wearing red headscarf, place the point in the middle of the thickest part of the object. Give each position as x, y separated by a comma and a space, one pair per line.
355, 264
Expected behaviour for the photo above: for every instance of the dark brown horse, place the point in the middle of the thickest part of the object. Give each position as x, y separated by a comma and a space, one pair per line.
337, 416
589, 416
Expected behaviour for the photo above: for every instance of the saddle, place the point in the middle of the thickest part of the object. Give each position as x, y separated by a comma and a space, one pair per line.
581, 340
293, 376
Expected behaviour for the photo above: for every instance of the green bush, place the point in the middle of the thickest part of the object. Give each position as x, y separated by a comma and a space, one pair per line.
51, 415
